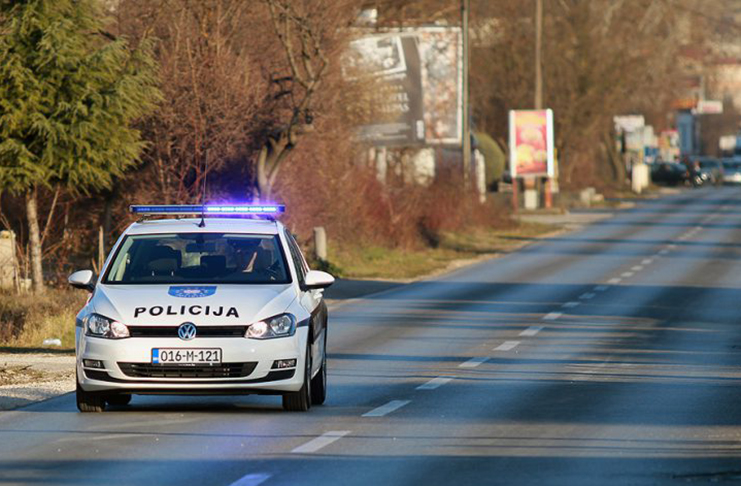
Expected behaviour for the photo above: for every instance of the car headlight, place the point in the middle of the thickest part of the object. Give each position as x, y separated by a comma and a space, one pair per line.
100, 326
283, 325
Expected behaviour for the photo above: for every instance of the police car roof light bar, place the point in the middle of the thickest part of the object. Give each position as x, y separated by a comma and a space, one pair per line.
207, 209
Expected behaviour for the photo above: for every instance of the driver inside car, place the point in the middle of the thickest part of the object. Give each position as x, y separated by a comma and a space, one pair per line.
254, 259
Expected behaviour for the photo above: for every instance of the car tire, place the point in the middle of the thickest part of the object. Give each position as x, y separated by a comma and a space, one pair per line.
118, 400
89, 402
300, 401
319, 382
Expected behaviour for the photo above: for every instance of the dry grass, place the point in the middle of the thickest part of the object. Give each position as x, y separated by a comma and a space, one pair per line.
377, 262
27, 319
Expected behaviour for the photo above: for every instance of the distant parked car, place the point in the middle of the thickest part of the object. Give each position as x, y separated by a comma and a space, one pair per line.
669, 173
712, 168
731, 171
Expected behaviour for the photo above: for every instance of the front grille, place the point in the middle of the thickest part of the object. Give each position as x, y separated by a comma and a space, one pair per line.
272, 376
224, 370
201, 332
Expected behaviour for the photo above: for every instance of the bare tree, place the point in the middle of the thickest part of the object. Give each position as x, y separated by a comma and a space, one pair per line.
212, 90
601, 58
305, 36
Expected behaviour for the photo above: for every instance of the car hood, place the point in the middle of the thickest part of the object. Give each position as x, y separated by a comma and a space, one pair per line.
158, 305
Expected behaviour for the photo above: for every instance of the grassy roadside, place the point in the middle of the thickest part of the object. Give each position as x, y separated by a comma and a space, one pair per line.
373, 262
26, 320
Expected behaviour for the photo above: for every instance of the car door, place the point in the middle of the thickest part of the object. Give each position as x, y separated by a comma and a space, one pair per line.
313, 302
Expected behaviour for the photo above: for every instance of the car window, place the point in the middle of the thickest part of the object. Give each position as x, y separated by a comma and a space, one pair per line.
199, 258
298, 259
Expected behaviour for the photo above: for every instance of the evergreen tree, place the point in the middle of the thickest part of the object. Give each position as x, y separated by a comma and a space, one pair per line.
69, 94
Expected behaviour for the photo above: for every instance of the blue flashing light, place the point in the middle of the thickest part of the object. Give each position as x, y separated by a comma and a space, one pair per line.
208, 209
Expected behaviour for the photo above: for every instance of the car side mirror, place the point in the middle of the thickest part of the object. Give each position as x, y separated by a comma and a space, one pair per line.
82, 279
317, 280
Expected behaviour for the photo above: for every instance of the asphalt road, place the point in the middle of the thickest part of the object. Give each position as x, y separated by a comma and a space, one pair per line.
610, 355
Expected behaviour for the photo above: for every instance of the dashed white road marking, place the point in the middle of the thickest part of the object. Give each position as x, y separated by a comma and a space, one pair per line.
683, 237
473, 362
663, 252
435, 383
320, 442
671, 246
601, 288
615, 280
637, 268
531, 331
507, 346
587, 296
647, 261
570, 305
391, 406
251, 479
627, 274
552, 316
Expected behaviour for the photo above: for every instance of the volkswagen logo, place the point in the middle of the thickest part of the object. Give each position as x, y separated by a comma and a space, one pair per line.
187, 331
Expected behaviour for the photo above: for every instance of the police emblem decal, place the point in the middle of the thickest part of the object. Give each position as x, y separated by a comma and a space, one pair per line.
190, 292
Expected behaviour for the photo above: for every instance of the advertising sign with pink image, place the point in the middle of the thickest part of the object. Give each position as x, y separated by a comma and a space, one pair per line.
531, 143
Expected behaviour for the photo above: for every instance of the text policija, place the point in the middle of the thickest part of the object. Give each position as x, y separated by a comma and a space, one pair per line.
186, 310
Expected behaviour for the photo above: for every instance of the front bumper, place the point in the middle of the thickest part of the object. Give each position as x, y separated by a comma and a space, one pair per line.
246, 366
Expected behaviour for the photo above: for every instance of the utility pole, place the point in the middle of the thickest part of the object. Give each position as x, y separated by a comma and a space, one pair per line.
539, 84
538, 54
466, 135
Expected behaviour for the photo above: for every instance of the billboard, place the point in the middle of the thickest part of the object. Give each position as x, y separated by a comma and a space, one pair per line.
398, 98
727, 143
628, 123
709, 107
531, 143
441, 54
419, 97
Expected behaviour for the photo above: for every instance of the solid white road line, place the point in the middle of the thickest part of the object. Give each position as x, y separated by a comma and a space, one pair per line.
601, 288
569, 305
473, 362
615, 280
552, 316
435, 383
251, 479
627, 274
320, 442
391, 406
531, 331
507, 346
587, 296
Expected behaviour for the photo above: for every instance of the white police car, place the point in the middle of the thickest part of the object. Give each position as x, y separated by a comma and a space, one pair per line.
204, 305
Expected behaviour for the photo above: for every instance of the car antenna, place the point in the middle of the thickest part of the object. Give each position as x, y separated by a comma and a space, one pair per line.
202, 224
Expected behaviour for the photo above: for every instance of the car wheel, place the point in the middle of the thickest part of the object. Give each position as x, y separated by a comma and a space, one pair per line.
118, 400
319, 382
89, 402
300, 401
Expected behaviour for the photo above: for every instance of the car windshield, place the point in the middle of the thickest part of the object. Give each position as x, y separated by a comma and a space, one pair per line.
199, 258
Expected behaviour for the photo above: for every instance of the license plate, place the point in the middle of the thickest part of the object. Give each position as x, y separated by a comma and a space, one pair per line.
186, 356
